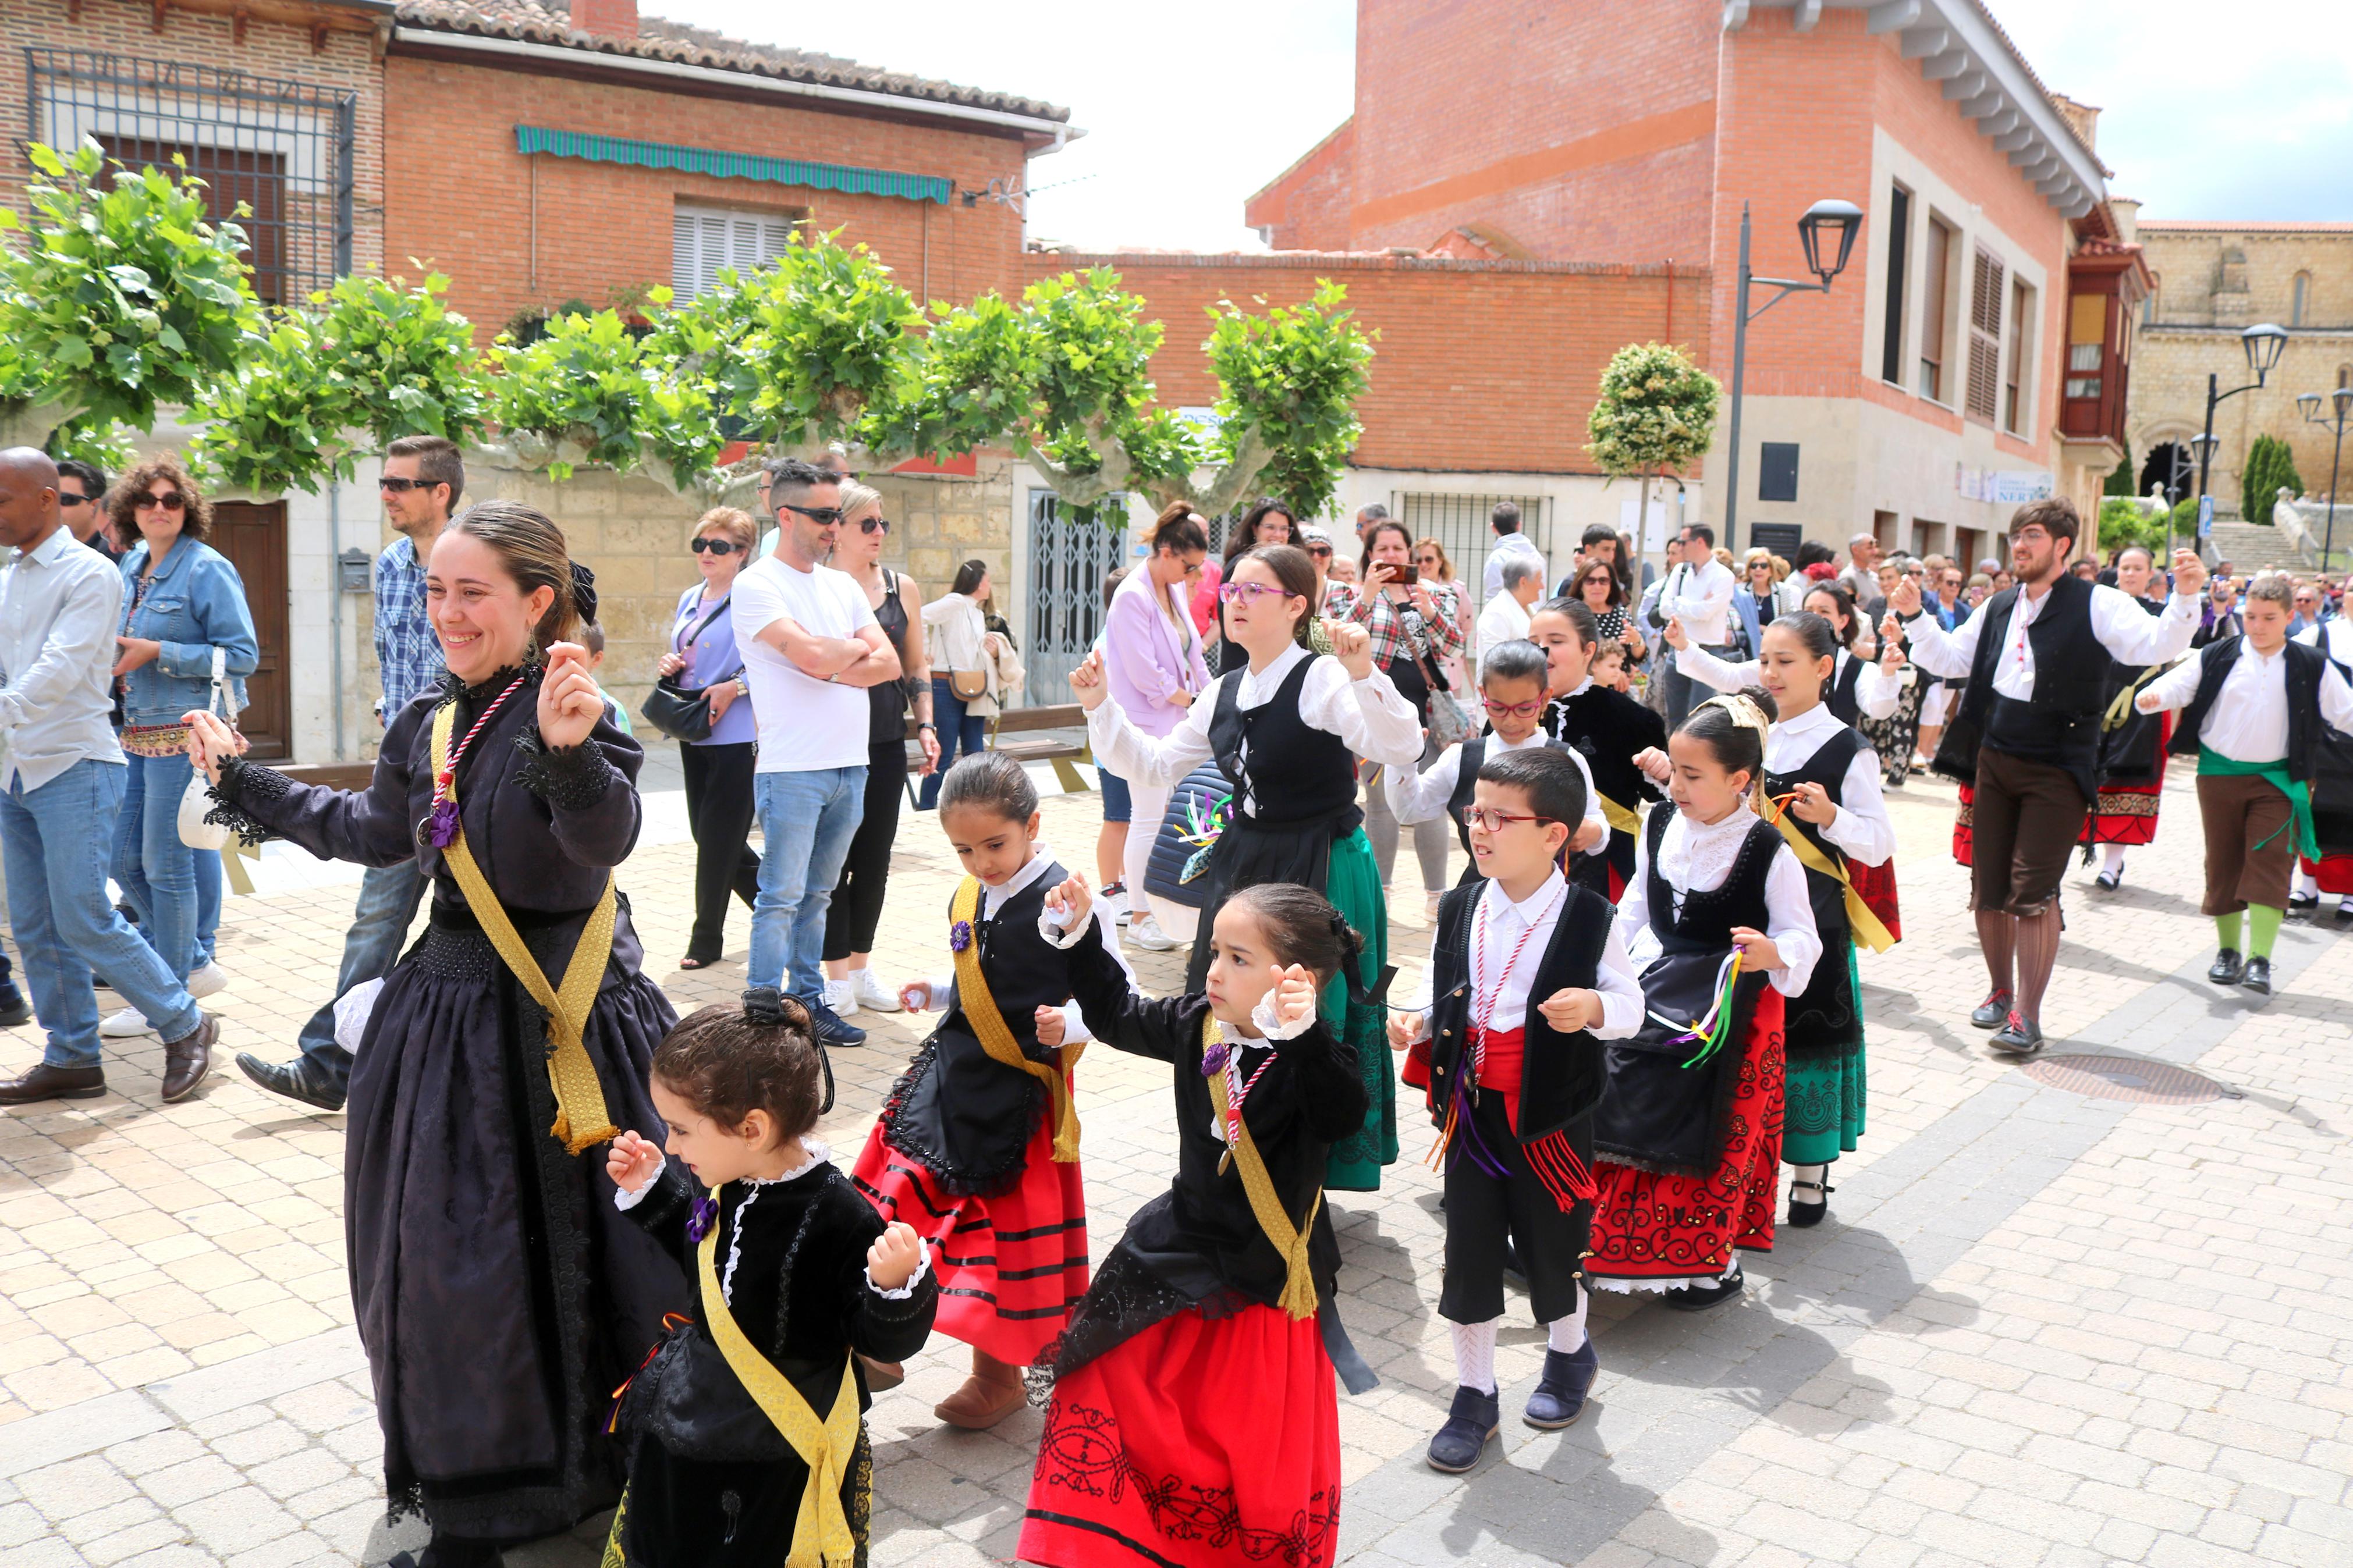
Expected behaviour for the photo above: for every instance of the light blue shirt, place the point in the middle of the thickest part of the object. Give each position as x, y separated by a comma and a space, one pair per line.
59, 609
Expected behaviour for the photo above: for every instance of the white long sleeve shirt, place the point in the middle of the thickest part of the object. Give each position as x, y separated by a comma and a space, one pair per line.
1862, 830
60, 605
1875, 692
2130, 633
2248, 722
1372, 719
1497, 925
1701, 596
1695, 857
2333, 637
1423, 797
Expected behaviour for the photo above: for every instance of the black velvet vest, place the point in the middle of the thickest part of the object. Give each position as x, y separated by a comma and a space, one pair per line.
1290, 771
2061, 724
1608, 729
2305, 728
1560, 1074
1840, 696
1822, 1021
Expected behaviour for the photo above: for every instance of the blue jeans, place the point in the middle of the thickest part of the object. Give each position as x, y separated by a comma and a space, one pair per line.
807, 820
958, 728
388, 898
157, 872
56, 840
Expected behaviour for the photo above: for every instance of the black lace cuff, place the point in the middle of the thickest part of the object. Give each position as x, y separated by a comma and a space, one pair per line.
243, 787
570, 778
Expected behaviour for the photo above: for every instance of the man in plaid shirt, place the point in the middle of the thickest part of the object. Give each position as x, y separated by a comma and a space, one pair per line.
423, 477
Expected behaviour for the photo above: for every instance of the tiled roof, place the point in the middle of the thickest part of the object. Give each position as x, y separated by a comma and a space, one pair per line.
550, 22
2254, 226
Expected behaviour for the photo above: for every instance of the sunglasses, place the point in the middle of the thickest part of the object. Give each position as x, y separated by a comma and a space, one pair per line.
171, 500
393, 485
1489, 820
818, 514
872, 524
1246, 593
1516, 709
72, 498
716, 546
1321, 551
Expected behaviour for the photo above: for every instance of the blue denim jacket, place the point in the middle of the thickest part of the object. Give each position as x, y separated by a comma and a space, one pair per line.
196, 603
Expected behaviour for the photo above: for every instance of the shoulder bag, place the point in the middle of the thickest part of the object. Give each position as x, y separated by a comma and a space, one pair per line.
676, 711
1448, 724
197, 799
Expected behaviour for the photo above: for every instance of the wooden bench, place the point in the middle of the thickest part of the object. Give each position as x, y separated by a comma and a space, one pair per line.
333, 775
1062, 751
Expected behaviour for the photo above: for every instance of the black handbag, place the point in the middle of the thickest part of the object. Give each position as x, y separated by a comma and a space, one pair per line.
674, 710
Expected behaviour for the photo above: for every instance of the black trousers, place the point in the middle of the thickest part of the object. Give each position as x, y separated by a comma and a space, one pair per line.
719, 810
1481, 1211
852, 920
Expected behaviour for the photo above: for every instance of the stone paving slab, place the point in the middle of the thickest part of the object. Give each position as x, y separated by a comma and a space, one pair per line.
2038, 1328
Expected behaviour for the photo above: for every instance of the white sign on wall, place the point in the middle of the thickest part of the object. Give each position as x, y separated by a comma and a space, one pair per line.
2003, 487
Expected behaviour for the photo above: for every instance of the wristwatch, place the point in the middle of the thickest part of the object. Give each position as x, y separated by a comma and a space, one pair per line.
927, 724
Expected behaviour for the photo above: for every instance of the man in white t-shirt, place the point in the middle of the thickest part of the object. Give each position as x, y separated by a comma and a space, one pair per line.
810, 646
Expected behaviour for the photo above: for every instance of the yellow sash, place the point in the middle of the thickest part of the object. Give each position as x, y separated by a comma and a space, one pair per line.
821, 1535
1867, 928
580, 1118
1624, 820
1298, 1297
2121, 709
989, 1027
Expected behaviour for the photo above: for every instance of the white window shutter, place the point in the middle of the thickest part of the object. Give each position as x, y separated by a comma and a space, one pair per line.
705, 239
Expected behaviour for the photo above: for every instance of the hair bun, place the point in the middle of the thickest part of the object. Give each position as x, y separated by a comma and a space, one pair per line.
583, 591
770, 1009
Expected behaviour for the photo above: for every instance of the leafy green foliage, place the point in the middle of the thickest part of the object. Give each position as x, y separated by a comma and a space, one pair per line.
276, 425
573, 396
824, 329
1291, 376
2121, 481
1655, 414
2124, 520
124, 297
2271, 463
102, 443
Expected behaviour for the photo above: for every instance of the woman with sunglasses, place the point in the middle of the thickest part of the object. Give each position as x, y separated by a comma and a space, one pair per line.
1429, 559
181, 601
718, 768
856, 912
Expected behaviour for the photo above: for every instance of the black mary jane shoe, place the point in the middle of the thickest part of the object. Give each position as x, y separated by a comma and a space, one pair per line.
2018, 1036
2258, 977
1700, 1297
2302, 904
1471, 1424
1989, 1013
1568, 1378
2110, 881
1807, 1215
2228, 967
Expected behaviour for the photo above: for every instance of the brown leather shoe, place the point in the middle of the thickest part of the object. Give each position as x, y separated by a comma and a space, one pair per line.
45, 1082
991, 1394
188, 1060
882, 1375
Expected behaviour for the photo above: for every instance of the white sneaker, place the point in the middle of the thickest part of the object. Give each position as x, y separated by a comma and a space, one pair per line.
867, 988
1112, 902
841, 996
1147, 934
204, 982
125, 1025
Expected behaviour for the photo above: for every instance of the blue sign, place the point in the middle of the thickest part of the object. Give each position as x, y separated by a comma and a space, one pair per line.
2205, 517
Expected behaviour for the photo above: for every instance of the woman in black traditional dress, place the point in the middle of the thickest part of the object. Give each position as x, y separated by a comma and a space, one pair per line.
498, 1294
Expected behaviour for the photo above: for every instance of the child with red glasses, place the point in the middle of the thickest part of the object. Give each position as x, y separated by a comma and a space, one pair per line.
1512, 687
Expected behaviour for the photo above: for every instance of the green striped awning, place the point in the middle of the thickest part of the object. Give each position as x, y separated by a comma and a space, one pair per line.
732, 166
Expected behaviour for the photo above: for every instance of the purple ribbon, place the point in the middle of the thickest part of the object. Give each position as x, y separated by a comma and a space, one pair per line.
959, 936
698, 1223
1213, 1061
441, 827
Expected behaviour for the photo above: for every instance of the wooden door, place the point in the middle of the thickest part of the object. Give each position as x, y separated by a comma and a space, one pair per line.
254, 539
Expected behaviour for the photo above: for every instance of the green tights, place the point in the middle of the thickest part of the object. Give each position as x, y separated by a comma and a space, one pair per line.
2262, 923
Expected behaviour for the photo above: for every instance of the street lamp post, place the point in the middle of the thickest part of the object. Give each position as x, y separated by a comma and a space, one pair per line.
2310, 403
1847, 219
2264, 344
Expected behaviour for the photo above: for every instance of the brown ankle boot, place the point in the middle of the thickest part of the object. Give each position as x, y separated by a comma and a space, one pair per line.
991, 1394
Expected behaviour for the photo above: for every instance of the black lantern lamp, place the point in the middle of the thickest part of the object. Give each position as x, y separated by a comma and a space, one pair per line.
1844, 219
2264, 344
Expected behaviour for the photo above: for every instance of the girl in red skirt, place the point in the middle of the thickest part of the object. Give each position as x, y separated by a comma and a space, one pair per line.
1688, 1134
977, 1147
1194, 1420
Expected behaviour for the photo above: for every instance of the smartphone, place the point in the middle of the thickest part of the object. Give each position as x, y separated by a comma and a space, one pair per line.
1404, 576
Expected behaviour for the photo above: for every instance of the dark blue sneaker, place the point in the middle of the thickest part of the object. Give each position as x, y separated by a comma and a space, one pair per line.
829, 1027
1559, 1398
1475, 1419
14, 1009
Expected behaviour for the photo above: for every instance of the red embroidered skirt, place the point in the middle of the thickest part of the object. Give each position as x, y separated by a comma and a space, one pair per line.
1011, 1266
2334, 872
1200, 1443
1652, 1227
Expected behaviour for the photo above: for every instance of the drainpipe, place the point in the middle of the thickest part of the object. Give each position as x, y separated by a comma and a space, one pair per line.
335, 605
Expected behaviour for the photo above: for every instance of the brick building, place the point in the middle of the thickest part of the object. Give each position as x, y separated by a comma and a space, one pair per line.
1925, 394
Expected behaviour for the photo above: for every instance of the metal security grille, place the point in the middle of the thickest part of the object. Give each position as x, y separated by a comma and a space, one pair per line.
1459, 524
281, 149
1070, 555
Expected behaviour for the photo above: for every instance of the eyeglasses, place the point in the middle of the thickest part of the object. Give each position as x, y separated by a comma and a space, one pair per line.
716, 546
1246, 593
870, 524
171, 500
1515, 709
823, 514
392, 484
1489, 820
1321, 551
72, 498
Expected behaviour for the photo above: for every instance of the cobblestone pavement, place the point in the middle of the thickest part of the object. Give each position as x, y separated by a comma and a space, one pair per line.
2040, 1327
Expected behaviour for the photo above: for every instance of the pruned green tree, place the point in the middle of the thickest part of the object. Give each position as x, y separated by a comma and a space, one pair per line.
2122, 479
2270, 465
1655, 415
1291, 378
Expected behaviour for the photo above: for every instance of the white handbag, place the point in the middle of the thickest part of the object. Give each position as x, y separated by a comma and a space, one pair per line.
196, 800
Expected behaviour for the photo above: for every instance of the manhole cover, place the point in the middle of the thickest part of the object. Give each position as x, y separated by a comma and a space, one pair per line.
2124, 1077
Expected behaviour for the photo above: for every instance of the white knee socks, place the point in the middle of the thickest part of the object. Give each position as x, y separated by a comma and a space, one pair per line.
1566, 1334
2112, 859
1474, 1354
1815, 1174
2307, 884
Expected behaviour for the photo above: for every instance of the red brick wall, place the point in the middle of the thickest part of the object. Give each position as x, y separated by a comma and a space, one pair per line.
1537, 119
461, 196
1306, 208
1480, 366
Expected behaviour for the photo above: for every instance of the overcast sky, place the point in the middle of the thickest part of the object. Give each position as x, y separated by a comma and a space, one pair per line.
2242, 110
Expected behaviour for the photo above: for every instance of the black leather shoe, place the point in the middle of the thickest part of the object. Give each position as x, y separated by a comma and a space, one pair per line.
2020, 1035
1992, 1010
188, 1060
2302, 903
2110, 881
14, 1009
1559, 1398
1699, 1298
1475, 1418
298, 1080
1805, 1214
2226, 968
2258, 977
45, 1082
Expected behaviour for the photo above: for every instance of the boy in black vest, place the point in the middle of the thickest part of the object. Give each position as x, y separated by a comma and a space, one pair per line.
1512, 687
1527, 975
2256, 706
1606, 728
2027, 737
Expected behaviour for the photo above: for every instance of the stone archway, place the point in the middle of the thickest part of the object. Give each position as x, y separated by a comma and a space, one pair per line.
2173, 465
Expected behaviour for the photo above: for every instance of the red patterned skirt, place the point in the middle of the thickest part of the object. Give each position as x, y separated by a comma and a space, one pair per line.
1651, 1231
1198, 1443
1011, 1266
2334, 872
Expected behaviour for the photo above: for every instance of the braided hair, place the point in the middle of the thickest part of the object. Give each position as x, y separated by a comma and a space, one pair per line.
1303, 927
